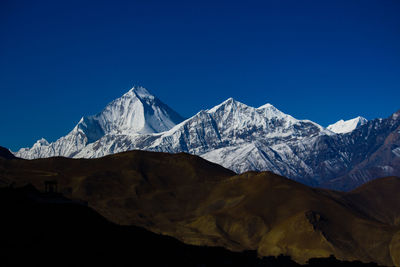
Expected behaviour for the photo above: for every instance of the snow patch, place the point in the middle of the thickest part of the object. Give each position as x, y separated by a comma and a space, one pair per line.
396, 151
347, 126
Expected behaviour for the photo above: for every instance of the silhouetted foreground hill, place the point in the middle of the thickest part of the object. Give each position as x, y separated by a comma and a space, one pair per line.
204, 204
6, 154
41, 230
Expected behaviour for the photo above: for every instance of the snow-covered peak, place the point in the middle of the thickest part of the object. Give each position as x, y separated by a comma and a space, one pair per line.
268, 105
30, 153
396, 115
41, 142
257, 116
272, 112
136, 112
140, 92
232, 105
343, 126
229, 104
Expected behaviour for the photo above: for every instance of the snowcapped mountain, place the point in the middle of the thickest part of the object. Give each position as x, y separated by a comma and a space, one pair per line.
238, 137
347, 126
136, 112
232, 134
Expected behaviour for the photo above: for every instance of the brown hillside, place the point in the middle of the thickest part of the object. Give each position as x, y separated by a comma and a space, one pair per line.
202, 203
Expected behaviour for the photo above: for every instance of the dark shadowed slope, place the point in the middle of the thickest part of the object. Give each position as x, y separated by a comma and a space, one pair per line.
373, 150
202, 203
50, 233
40, 230
379, 199
6, 154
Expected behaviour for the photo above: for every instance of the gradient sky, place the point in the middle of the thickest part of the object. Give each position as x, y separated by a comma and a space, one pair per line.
317, 60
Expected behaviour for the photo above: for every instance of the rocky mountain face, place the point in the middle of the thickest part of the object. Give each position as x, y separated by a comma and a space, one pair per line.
371, 150
238, 137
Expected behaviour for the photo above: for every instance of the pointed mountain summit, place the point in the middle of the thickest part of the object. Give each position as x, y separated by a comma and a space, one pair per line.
136, 112
347, 126
267, 111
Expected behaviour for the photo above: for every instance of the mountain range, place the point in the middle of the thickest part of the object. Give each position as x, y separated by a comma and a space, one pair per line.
238, 137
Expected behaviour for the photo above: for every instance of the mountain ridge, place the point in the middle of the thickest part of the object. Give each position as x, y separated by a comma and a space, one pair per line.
271, 140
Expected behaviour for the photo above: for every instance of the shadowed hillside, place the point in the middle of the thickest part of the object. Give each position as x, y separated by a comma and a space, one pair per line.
6, 154
50, 233
40, 230
201, 203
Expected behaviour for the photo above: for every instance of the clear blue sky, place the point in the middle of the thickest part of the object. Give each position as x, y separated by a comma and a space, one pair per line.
317, 60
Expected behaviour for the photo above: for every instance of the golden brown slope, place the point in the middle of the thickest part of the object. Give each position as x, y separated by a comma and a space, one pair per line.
202, 203
379, 199
276, 215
